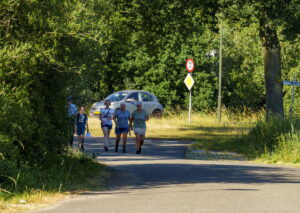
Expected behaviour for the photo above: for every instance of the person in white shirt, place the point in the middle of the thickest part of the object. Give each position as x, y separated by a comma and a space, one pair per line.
106, 117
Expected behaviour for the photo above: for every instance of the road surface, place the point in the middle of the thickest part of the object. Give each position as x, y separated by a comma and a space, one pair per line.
161, 180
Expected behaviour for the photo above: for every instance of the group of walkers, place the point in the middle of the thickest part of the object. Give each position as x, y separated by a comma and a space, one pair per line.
124, 123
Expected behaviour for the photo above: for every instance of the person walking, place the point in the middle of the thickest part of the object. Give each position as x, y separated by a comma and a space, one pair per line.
138, 119
81, 126
106, 117
72, 112
121, 119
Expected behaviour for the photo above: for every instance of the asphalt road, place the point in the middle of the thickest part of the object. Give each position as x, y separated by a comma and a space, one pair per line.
161, 180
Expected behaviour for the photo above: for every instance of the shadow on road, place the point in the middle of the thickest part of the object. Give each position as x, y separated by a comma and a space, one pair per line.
162, 164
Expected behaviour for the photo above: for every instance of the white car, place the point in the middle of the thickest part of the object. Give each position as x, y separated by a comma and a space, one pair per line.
130, 98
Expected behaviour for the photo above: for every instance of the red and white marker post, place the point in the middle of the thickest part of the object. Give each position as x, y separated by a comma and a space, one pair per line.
189, 82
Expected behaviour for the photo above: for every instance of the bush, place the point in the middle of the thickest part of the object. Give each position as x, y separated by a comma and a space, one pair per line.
67, 172
275, 137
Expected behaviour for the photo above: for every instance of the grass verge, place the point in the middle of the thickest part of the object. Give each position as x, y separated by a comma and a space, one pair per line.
38, 187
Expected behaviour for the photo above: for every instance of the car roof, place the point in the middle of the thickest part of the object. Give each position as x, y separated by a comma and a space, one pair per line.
130, 91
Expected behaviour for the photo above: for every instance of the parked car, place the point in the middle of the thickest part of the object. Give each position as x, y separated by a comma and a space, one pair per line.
130, 98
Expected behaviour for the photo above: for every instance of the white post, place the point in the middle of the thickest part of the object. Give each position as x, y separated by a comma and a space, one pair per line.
190, 106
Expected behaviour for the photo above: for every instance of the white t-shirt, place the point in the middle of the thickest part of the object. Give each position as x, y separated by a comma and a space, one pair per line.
105, 115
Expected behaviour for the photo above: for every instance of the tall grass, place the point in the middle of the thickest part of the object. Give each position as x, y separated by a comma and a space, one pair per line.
74, 171
274, 141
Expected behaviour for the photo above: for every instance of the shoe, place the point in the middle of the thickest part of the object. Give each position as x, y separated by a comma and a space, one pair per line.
124, 149
140, 149
82, 148
116, 148
106, 149
138, 152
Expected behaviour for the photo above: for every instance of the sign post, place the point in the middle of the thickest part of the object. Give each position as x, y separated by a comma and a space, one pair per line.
189, 82
293, 84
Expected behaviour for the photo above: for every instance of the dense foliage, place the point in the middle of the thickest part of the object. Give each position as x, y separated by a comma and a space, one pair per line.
88, 49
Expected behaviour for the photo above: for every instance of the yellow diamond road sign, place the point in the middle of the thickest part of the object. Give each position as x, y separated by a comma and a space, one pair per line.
189, 81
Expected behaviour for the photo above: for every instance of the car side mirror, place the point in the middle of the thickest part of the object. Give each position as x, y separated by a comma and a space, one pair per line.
130, 100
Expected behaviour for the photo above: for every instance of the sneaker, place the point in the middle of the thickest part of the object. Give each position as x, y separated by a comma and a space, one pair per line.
106, 149
138, 152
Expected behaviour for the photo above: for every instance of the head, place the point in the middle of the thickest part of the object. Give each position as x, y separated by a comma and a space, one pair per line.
139, 105
82, 109
107, 103
69, 100
123, 106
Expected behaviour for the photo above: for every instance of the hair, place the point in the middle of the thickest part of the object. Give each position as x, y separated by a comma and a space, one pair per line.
139, 103
107, 100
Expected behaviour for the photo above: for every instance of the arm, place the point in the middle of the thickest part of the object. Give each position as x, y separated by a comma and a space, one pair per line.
130, 121
115, 120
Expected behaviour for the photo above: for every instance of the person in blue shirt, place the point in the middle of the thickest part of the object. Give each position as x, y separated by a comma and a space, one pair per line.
138, 124
81, 126
72, 112
121, 119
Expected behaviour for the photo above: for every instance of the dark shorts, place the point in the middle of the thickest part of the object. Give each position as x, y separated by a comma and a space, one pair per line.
107, 126
120, 131
80, 129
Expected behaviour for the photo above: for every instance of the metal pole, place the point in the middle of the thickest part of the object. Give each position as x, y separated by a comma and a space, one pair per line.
293, 99
220, 73
190, 107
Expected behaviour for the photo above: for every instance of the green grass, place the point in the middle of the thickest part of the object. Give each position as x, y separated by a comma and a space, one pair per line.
75, 173
276, 141
272, 142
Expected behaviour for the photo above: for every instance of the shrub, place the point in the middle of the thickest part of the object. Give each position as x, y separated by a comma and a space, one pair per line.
267, 137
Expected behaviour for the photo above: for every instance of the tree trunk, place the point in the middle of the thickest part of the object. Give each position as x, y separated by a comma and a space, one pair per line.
272, 67
273, 82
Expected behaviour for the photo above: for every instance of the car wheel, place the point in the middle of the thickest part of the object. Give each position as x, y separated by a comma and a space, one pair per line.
157, 113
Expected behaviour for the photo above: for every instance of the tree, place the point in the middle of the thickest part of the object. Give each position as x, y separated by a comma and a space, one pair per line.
274, 17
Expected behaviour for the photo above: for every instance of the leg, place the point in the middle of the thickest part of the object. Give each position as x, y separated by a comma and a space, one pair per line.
142, 139
118, 136
82, 142
124, 142
104, 130
72, 127
137, 143
79, 140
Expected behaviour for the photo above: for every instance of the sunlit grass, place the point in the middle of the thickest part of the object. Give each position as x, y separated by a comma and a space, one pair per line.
30, 200
204, 129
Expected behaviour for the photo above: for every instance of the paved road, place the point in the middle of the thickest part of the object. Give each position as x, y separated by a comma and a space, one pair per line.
161, 180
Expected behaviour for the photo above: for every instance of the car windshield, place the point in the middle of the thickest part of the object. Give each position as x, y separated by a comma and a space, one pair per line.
118, 96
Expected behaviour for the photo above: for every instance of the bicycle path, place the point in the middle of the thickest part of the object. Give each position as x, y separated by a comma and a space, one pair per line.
162, 180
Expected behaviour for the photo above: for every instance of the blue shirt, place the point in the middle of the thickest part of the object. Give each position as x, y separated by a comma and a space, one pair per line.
139, 119
122, 118
72, 110
81, 118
